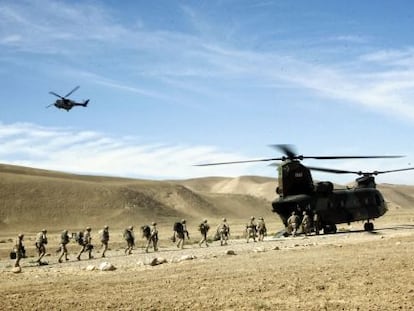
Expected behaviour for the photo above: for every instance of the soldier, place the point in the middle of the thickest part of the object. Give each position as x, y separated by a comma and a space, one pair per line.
104, 236
152, 238
130, 239
19, 249
261, 229
203, 227
181, 233
64, 240
86, 244
41, 241
316, 223
306, 223
251, 229
224, 232
293, 223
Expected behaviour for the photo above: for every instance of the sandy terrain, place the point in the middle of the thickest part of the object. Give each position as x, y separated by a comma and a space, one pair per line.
351, 270
348, 271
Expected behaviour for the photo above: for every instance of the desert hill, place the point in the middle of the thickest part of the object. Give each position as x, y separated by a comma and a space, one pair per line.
33, 198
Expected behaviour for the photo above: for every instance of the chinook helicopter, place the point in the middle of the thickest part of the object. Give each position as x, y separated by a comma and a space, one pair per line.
298, 193
65, 103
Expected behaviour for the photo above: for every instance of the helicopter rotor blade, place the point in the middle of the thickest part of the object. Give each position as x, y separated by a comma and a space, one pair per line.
361, 173
237, 162
286, 149
391, 171
49, 105
331, 170
57, 95
70, 93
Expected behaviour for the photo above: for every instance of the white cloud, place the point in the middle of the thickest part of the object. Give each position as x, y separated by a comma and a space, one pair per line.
95, 153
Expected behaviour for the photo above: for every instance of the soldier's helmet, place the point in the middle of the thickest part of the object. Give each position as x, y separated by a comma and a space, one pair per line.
252, 218
88, 229
183, 221
293, 213
131, 227
106, 227
205, 220
154, 223
44, 230
224, 219
21, 235
65, 231
260, 218
304, 213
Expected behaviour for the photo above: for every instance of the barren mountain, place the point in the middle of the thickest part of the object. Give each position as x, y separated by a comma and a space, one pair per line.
32, 198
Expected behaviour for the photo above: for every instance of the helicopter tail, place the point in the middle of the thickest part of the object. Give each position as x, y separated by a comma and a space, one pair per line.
85, 103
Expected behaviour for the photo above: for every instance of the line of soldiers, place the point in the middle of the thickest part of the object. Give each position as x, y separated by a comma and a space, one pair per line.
149, 232
295, 223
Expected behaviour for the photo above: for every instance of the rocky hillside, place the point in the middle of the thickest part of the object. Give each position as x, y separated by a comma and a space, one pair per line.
32, 198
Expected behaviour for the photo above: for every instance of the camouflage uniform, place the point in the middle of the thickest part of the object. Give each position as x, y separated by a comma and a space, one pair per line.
293, 223
130, 239
251, 230
182, 234
19, 249
87, 244
224, 232
153, 238
306, 222
204, 227
104, 235
41, 241
316, 223
64, 240
261, 229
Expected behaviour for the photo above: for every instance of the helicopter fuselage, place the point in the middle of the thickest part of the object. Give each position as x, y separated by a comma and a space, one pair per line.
68, 104
333, 206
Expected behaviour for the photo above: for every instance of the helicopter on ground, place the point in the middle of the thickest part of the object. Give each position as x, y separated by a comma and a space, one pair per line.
65, 103
298, 193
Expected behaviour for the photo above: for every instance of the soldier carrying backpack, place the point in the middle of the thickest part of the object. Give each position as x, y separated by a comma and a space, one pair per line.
86, 241
152, 237
130, 239
180, 233
203, 227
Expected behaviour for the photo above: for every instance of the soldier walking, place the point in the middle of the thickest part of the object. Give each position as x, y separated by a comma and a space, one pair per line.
316, 223
181, 233
19, 249
224, 232
203, 227
306, 223
41, 241
104, 236
152, 238
86, 244
64, 240
251, 229
130, 239
293, 223
261, 229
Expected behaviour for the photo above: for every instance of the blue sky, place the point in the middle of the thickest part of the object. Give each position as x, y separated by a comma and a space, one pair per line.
174, 83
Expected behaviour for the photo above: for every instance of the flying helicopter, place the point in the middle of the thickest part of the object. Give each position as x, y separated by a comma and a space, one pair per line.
66, 103
298, 193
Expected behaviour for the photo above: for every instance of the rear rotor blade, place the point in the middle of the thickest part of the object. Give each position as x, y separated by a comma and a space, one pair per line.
391, 171
68, 94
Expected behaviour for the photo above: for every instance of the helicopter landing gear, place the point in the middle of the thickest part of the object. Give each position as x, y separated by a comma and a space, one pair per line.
368, 226
329, 228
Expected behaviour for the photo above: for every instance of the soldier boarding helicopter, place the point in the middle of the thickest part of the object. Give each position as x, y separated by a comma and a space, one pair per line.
65, 103
298, 193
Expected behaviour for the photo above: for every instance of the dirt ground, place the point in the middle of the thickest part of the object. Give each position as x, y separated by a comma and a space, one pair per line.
351, 270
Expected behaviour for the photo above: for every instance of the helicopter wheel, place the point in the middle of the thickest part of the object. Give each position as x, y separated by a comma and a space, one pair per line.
368, 226
329, 229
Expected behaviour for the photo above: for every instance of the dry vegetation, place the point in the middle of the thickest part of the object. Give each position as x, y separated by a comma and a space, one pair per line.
352, 270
